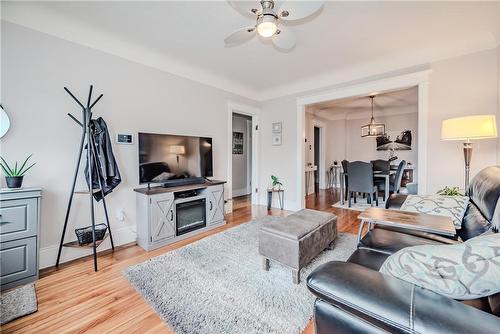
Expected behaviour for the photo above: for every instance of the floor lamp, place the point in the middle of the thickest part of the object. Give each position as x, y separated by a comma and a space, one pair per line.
466, 129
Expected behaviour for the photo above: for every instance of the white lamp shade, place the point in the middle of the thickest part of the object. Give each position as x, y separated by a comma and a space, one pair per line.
177, 149
469, 128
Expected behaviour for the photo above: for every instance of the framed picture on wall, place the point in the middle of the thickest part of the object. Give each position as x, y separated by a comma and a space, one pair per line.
277, 139
395, 140
277, 127
237, 142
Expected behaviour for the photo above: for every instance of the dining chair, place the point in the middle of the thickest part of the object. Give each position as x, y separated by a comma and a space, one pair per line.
361, 181
346, 178
395, 183
381, 165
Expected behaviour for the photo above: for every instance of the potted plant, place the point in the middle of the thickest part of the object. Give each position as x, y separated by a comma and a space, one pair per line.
276, 183
449, 191
14, 176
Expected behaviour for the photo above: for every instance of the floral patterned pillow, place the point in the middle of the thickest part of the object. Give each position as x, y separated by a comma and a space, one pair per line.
449, 206
467, 270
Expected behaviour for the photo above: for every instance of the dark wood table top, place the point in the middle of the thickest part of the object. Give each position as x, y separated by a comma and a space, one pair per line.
409, 220
161, 189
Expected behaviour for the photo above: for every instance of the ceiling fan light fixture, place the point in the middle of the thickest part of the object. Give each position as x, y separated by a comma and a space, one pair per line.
266, 25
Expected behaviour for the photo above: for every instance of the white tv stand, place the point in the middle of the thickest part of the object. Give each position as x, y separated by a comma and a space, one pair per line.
157, 212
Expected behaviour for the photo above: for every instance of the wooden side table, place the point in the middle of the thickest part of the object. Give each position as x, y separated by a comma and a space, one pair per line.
281, 197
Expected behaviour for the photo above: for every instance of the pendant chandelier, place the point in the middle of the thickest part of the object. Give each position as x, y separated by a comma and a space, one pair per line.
372, 129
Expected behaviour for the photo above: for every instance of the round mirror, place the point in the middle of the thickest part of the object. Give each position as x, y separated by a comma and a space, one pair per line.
4, 122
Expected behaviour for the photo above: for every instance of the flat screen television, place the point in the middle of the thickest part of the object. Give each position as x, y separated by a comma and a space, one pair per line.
174, 160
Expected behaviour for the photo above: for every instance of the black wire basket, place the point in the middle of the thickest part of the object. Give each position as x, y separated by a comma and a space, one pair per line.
84, 234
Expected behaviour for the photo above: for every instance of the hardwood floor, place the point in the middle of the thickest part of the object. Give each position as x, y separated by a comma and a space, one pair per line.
75, 299
242, 201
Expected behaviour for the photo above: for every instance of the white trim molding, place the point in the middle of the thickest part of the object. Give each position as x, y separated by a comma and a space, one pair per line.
419, 79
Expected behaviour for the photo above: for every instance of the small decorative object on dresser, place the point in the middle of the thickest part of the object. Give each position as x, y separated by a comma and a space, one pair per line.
19, 230
14, 175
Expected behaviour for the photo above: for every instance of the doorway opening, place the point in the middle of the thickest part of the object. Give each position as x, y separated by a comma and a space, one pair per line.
419, 79
241, 160
316, 159
242, 151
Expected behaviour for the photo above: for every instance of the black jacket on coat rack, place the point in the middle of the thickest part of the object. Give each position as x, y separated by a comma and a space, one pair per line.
110, 175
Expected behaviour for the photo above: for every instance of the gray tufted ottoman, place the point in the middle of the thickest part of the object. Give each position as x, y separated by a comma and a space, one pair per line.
297, 239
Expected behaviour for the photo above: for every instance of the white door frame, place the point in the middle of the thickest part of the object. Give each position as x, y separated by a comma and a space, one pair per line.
322, 152
419, 79
243, 109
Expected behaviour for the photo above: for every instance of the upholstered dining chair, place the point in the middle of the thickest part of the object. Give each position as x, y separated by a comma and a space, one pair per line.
381, 165
394, 183
361, 181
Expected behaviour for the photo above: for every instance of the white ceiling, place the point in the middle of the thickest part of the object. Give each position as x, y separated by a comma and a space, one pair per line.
344, 41
384, 104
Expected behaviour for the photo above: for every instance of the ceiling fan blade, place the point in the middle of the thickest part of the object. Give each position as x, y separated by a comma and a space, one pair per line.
295, 10
285, 39
247, 8
240, 36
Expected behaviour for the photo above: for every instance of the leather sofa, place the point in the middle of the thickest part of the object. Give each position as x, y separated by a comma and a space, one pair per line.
353, 297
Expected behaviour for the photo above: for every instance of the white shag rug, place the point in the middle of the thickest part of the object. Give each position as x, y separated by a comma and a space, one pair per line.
217, 285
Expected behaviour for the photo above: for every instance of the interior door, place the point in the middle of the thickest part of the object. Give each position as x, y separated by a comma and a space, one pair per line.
163, 217
215, 205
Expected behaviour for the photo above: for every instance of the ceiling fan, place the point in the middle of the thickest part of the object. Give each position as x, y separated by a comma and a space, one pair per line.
268, 15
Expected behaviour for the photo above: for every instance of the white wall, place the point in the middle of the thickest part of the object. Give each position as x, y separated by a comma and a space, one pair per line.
37, 66
279, 160
458, 86
241, 172
358, 148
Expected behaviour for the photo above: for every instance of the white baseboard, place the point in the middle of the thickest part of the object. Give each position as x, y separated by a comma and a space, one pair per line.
240, 192
48, 255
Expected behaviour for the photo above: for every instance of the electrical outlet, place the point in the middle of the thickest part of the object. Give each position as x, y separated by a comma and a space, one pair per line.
120, 214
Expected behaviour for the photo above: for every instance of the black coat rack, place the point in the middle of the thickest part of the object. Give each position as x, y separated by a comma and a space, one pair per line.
92, 163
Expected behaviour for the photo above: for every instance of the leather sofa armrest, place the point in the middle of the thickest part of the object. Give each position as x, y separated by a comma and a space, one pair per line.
385, 301
395, 201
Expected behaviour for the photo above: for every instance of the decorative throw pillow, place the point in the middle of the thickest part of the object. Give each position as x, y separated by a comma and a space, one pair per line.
449, 206
467, 270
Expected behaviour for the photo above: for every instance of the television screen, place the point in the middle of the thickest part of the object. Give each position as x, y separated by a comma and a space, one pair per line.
174, 159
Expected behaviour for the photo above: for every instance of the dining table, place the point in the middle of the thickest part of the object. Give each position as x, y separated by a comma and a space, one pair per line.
386, 176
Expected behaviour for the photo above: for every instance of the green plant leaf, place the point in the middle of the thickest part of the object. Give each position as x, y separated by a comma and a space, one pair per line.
5, 170
27, 169
24, 164
7, 166
16, 172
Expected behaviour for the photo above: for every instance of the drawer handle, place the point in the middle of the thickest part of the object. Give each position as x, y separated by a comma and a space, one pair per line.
211, 206
171, 215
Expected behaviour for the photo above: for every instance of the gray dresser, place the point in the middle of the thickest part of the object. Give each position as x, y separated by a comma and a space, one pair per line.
19, 231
